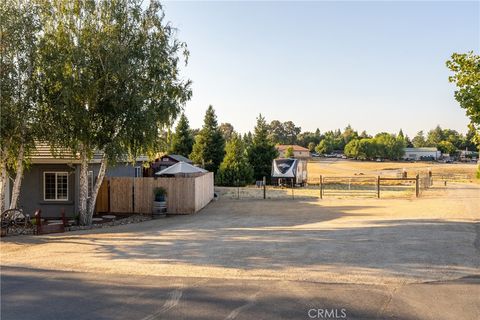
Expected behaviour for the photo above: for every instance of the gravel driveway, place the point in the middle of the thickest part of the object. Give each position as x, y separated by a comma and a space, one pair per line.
369, 241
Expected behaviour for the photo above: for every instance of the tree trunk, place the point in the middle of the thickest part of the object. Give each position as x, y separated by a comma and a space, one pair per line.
83, 196
18, 178
3, 185
96, 188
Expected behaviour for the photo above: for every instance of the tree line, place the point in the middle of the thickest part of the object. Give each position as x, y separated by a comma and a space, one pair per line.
240, 159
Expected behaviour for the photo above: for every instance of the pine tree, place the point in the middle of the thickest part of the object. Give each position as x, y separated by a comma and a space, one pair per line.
182, 140
235, 169
262, 152
209, 147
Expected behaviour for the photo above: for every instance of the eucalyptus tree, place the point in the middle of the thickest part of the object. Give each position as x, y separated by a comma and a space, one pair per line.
110, 81
19, 31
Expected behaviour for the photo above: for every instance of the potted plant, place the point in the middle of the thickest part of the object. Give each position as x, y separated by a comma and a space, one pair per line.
160, 202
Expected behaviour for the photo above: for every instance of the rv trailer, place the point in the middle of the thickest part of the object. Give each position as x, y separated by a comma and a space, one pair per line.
289, 171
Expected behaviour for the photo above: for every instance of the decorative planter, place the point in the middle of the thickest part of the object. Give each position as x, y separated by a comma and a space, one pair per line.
159, 208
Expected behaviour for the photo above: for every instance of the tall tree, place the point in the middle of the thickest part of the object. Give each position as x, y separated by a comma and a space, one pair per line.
19, 32
227, 131
110, 81
466, 69
235, 169
276, 132
291, 132
434, 136
209, 147
419, 140
262, 151
182, 139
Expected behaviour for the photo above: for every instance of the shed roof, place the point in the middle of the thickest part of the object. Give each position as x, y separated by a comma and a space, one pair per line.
282, 147
179, 168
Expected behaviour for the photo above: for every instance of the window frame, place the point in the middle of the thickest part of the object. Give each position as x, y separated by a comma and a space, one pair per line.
56, 173
139, 168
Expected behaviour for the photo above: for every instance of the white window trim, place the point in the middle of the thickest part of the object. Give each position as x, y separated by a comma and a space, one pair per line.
135, 173
56, 189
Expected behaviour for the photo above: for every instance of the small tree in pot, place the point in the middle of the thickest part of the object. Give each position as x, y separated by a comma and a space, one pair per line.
160, 201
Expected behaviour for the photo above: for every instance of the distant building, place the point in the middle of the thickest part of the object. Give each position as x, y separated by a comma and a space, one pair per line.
421, 154
298, 151
166, 161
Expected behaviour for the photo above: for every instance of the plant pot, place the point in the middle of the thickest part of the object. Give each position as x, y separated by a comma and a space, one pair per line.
159, 208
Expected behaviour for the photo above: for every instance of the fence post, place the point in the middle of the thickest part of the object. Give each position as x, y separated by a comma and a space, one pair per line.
133, 195
264, 187
293, 184
108, 194
417, 191
321, 188
238, 189
378, 187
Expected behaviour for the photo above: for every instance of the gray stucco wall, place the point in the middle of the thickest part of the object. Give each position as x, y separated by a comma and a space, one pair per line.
32, 194
122, 170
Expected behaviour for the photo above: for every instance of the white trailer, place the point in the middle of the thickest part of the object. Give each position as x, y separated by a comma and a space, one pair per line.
286, 171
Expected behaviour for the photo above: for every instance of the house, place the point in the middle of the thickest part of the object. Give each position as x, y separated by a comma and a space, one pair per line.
166, 161
51, 182
421, 154
298, 151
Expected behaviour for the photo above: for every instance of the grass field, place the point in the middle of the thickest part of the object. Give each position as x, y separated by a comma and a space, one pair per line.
341, 167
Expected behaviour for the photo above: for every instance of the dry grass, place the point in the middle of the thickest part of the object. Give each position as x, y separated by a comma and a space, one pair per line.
339, 167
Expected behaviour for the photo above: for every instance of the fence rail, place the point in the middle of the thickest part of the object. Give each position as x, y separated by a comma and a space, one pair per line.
332, 186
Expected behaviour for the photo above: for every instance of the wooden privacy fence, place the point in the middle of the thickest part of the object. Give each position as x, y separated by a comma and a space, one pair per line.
135, 195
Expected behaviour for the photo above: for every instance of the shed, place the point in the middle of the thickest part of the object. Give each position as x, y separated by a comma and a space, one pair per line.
181, 169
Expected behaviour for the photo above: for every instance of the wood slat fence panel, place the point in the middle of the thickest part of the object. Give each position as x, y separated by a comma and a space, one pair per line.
102, 198
185, 195
121, 195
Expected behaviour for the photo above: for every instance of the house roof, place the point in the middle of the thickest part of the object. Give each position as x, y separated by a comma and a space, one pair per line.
43, 153
421, 149
283, 147
181, 167
179, 158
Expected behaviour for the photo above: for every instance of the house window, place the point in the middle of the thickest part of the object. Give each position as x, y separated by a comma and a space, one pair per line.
138, 172
55, 186
90, 183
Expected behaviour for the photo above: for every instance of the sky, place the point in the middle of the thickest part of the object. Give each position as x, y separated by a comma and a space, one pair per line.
378, 66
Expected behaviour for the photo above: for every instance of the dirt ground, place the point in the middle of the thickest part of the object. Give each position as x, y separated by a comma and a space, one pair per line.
368, 241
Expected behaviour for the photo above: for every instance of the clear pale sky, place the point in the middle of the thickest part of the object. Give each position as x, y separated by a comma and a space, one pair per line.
378, 66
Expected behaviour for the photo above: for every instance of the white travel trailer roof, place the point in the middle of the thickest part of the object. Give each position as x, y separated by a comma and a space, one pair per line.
284, 168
